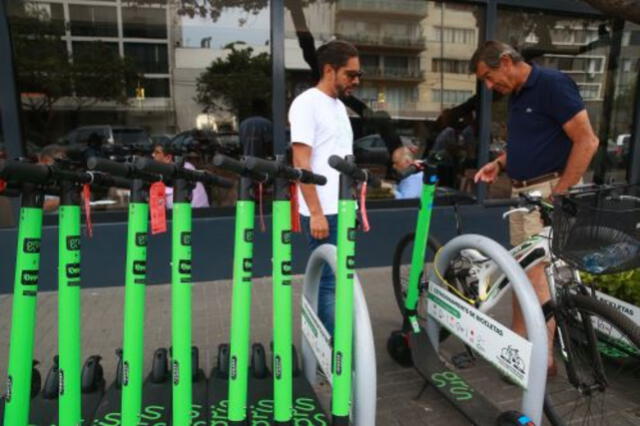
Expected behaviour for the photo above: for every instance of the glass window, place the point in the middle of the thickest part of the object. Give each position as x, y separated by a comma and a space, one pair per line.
99, 76
149, 57
152, 88
580, 47
407, 49
144, 22
93, 20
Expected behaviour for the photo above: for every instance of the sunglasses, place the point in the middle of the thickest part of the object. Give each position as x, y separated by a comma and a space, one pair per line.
354, 74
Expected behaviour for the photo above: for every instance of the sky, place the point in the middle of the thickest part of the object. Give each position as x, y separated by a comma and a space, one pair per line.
227, 29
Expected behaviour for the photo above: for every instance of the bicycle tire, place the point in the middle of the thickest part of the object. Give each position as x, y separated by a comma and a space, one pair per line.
402, 264
560, 406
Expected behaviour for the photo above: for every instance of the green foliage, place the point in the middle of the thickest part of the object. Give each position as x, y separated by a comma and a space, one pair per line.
95, 73
624, 286
236, 82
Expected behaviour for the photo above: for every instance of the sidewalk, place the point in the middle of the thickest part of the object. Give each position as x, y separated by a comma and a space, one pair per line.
398, 387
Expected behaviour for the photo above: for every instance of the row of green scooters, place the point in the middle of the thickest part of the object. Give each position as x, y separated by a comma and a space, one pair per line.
243, 388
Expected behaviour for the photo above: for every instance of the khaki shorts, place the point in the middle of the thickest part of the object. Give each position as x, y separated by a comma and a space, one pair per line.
525, 225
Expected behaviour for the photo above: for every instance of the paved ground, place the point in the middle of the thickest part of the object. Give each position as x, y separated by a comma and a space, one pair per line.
399, 398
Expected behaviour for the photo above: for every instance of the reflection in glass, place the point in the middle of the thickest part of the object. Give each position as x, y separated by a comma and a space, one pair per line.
107, 69
581, 47
414, 55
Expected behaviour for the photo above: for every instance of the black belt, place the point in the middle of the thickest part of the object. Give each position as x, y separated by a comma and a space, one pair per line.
535, 180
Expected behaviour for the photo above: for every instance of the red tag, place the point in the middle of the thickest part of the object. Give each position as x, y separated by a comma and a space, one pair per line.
86, 197
263, 227
295, 214
157, 207
3, 185
363, 207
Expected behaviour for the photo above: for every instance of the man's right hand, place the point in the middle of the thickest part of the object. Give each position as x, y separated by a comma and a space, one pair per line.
319, 227
488, 173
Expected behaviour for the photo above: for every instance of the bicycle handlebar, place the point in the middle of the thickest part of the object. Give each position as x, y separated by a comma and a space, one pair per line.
351, 170
279, 169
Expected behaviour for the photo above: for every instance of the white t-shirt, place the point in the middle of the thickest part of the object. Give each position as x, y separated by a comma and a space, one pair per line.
320, 121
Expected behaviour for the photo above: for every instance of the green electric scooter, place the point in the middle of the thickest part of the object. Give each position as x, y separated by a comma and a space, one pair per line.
289, 390
21, 370
350, 175
70, 394
235, 366
123, 400
186, 396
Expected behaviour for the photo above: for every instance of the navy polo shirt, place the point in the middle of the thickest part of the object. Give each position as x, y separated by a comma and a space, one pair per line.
536, 143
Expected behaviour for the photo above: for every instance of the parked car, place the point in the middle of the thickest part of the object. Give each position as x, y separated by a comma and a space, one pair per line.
123, 135
207, 141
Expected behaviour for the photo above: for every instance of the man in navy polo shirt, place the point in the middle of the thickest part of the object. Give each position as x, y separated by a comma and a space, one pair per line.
550, 143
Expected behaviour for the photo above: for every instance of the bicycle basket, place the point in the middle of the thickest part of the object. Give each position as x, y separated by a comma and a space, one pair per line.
598, 231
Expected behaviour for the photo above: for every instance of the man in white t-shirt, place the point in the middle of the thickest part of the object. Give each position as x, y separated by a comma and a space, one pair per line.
320, 128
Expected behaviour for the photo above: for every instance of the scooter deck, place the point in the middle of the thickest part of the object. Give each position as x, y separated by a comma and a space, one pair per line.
472, 404
45, 411
217, 401
108, 408
307, 408
156, 402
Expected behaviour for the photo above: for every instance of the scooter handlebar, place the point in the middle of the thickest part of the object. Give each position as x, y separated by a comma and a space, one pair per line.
286, 172
109, 166
238, 167
24, 172
350, 169
147, 165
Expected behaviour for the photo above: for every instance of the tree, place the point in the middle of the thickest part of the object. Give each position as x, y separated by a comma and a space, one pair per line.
235, 82
47, 76
624, 9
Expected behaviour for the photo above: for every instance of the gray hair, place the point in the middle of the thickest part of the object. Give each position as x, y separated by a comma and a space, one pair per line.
490, 53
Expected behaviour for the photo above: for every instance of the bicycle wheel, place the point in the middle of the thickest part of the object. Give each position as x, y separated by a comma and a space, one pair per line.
402, 265
605, 370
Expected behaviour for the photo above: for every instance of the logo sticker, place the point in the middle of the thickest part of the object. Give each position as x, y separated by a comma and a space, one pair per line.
185, 238
139, 267
73, 243
184, 267
31, 245
73, 270
141, 239
29, 277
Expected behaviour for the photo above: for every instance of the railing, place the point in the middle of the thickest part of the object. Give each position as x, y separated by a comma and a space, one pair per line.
384, 40
405, 7
392, 72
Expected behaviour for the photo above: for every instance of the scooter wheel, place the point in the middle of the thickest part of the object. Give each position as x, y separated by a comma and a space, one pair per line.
258, 361
119, 369
160, 367
36, 380
195, 362
295, 362
223, 360
51, 383
398, 348
92, 374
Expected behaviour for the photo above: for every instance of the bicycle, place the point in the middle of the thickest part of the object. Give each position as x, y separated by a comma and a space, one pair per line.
582, 320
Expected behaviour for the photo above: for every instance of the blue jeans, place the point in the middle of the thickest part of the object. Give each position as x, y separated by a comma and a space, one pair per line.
327, 288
